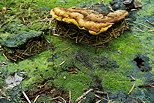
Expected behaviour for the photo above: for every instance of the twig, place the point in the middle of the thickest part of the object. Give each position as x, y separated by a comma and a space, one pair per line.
62, 63
105, 99
131, 89
142, 25
42, 85
150, 22
108, 97
145, 26
132, 78
19, 57
138, 29
100, 92
56, 34
3, 93
69, 97
52, 90
150, 30
26, 97
23, 19
141, 100
59, 98
36, 98
5, 57
84, 94
98, 101
98, 96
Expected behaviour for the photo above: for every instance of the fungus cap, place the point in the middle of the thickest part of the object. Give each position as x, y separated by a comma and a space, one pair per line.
90, 20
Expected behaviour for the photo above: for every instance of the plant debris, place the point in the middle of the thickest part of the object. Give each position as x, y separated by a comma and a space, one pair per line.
82, 36
31, 47
51, 92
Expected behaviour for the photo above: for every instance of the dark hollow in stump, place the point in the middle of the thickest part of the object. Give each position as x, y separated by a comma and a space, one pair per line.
28, 49
82, 36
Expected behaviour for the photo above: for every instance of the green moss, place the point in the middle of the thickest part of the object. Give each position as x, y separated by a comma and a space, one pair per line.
37, 68
76, 83
39, 26
138, 82
123, 50
146, 38
48, 4
19, 39
127, 48
107, 1
1, 82
114, 81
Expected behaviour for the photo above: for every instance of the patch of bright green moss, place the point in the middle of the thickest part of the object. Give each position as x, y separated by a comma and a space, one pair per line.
127, 46
113, 80
123, 50
65, 3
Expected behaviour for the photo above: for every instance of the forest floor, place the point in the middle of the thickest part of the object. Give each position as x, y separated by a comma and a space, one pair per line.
121, 71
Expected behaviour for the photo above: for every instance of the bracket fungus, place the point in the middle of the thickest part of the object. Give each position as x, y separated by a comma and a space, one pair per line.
89, 25
89, 20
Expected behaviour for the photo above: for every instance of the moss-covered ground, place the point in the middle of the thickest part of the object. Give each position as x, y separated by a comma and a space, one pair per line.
73, 67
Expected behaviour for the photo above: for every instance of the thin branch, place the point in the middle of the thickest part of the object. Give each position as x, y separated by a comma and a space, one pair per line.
131, 89
36, 98
62, 63
69, 97
138, 29
26, 97
150, 22
84, 94
141, 100
59, 97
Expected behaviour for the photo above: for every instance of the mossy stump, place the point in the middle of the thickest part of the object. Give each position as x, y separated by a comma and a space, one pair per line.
30, 48
23, 45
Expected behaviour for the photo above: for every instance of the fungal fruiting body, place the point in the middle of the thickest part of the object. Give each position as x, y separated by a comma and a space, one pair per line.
90, 20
